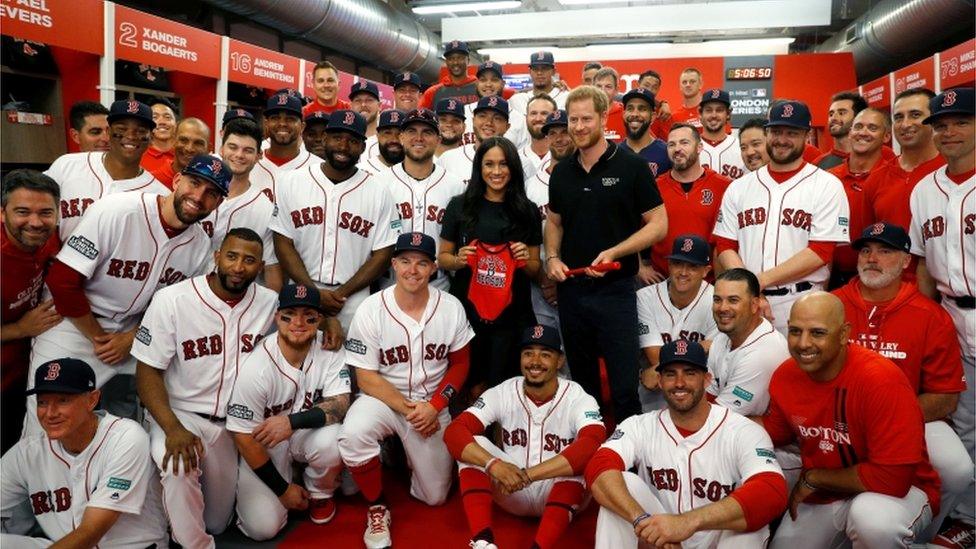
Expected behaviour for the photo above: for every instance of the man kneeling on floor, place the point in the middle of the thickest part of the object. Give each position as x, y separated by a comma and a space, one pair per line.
531, 474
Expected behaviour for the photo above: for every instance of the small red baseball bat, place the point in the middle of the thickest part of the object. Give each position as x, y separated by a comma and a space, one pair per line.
600, 268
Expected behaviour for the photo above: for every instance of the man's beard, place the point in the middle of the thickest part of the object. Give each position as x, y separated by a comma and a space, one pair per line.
392, 153
637, 135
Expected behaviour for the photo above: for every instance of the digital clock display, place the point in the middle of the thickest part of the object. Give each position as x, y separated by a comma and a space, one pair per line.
749, 73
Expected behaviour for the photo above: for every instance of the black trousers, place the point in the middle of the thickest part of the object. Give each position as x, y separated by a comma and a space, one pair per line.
599, 319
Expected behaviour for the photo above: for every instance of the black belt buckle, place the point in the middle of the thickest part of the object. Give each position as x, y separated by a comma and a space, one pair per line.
800, 287
776, 292
965, 302
210, 418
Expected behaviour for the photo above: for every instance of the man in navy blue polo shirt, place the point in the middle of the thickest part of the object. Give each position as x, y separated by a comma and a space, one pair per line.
604, 206
638, 118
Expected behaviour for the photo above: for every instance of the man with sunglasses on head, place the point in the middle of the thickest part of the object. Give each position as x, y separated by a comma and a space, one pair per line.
88, 176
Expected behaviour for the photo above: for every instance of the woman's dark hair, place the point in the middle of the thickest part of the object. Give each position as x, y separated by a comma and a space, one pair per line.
521, 212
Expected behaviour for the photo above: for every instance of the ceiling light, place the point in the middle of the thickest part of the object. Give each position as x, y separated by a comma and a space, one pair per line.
647, 50
592, 2
429, 8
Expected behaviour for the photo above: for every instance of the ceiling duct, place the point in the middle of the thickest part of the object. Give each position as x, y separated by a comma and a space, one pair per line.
897, 32
370, 30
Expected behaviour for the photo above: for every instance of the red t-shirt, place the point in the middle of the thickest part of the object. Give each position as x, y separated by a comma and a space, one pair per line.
868, 413
687, 115
845, 257
154, 160
316, 106
693, 212
889, 189
165, 174
616, 130
20, 291
492, 273
810, 153
912, 331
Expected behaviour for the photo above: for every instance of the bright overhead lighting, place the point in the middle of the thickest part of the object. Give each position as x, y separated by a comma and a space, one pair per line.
647, 50
428, 9
591, 2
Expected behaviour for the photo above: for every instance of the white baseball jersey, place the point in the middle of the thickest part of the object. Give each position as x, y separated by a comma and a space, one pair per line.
253, 210
659, 321
774, 221
686, 473
420, 203
531, 161
409, 354
517, 133
202, 352
519, 102
266, 144
114, 472
740, 377
83, 180
537, 190
372, 147
459, 161
269, 386
533, 433
267, 175
335, 226
724, 158
372, 165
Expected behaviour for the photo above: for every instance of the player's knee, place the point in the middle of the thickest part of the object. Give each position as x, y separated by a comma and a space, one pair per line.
955, 469
866, 524
263, 526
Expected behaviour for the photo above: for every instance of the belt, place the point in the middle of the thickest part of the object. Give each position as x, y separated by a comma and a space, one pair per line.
784, 290
964, 301
210, 418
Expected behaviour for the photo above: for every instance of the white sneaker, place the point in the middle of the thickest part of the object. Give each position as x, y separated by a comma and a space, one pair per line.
377, 534
481, 544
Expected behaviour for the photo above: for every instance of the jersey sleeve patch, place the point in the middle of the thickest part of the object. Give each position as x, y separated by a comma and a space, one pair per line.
766, 453
143, 336
479, 404
116, 483
594, 414
742, 393
83, 246
240, 411
355, 346
617, 435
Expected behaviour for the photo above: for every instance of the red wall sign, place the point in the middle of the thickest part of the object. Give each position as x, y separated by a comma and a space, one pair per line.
957, 66
156, 41
917, 75
877, 93
75, 24
263, 68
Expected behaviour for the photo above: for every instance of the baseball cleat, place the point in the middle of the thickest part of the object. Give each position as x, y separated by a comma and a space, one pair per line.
481, 544
958, 535
377, 534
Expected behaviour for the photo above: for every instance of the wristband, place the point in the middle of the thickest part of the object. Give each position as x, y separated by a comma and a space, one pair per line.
312, 418
552, 256
637, 520
271, 478
805, 482
491, 462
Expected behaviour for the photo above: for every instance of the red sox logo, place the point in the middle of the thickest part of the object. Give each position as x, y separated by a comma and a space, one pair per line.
455, 44
132, 107
687, 245
949, 98
241, 112
707, 197
787, 111
216, 166
540, 56
394, 117
416, 239
715, 94
680, 347
877, 229
537, 332
493, 101
301, 292
53, 371
451, 105
282, 99
348, 120
406, 76
556, 115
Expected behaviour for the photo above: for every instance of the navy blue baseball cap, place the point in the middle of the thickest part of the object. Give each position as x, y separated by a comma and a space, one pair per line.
450, 106
63, 375
493, 103
299, 295
795, 114
557, 117
392, 118
129, 108
234, 114
547, 336
421, 116
212, 169
456, 46
691, 248
283, 102
365, 86
716, 95
347, 121
541, 59
640, 93
885, 233
492, 67
416, 242
317, 117
402, 78
682, 351
952, 101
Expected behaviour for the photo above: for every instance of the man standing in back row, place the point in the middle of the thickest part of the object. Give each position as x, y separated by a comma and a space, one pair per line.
458, 84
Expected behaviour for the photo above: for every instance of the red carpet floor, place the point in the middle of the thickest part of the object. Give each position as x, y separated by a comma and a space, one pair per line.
416, 525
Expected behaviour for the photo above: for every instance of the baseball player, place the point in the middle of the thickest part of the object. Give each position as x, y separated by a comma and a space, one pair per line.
535, 151
88, 176
192, 138
690, 85
314, 134
364, 98
783, 220
706, 476
163, 137
335, 225
606, 80
840, 117
752, 144
542, 69
89, 126
385, 149
561, 147
325, 83
284, 126
690, 188
450, 123
550, 428
286, 406
490, 119
245, 205
406, 91
720, 149
892, 318
678, 307
421, 189
456, 84
187, 369
866, 476
943, 207
650, 80
638, 116
409, 345
87, 476
125, 248
490, 82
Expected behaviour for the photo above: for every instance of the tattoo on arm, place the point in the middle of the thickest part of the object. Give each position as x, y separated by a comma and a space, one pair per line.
335, 408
